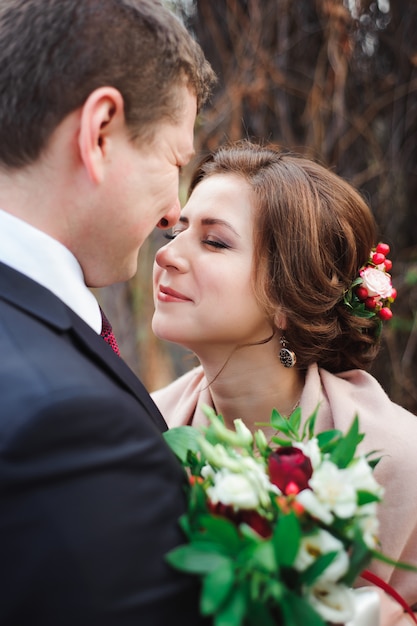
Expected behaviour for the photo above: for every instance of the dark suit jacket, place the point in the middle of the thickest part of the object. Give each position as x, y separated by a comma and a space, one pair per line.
90, 494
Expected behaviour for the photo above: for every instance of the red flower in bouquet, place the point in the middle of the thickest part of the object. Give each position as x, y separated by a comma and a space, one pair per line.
253, 519
289, 469
277, 535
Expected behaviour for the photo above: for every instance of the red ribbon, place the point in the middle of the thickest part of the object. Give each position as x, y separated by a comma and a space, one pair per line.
376, 580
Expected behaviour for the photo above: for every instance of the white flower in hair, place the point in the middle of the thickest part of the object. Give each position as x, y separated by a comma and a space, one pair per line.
376, 282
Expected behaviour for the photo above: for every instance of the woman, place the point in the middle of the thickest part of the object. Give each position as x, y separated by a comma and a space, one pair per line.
258, 283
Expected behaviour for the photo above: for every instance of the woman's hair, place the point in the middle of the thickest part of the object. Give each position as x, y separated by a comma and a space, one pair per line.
312, 233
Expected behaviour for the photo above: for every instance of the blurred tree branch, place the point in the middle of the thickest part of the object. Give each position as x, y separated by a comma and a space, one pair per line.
335, 80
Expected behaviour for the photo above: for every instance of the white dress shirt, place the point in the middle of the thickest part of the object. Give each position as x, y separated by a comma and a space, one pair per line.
49, 263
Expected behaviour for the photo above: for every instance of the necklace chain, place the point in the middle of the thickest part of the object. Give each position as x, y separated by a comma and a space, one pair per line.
294, 407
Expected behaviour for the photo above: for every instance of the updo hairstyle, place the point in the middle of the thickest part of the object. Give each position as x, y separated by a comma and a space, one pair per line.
312, 233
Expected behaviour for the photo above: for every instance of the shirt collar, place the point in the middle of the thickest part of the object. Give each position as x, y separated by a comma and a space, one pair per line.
46, 261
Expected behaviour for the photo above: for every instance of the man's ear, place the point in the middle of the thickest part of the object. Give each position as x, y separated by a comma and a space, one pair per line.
102, 116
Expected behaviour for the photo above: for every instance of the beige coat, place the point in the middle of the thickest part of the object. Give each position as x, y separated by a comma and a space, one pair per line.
389, 428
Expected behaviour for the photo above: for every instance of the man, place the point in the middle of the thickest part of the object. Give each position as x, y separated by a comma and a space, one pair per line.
98, 100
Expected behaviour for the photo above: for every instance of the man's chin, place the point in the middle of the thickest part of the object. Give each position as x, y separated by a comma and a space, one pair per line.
113, 275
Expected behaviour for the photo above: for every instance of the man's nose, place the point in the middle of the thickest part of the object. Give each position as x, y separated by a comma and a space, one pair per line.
171, 217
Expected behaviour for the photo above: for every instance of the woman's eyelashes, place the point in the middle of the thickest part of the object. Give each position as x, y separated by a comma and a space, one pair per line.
215, 243
218, 244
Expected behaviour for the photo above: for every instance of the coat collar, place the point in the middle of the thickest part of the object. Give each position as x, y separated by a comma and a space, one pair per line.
27, 295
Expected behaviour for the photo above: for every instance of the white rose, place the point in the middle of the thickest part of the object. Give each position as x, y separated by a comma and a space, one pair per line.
369, 524
242, 483
311, 449
255, 472
207, 472
360, 475
233, 489
315, 545
333, 489
312, 505
335, 603
376, 282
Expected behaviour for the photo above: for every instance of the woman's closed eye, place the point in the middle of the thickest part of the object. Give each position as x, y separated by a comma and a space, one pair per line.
218, 244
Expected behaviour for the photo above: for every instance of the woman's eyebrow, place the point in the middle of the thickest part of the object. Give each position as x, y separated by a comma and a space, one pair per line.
210, 221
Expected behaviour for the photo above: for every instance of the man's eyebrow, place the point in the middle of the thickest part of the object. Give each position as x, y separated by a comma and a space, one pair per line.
210, 221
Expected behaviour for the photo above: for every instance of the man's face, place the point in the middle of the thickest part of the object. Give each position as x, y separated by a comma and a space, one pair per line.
141, 191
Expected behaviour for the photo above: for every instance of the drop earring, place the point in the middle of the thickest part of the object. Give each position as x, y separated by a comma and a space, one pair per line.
286, 356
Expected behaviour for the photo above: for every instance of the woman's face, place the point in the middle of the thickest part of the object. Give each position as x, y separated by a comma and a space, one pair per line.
203, 281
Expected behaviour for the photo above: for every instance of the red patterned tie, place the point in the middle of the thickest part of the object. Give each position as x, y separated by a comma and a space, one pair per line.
107, 333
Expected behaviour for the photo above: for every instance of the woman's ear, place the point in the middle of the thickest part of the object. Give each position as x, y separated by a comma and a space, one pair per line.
280, 319
102, 117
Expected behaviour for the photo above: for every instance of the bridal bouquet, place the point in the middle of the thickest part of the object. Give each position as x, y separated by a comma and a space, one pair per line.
277, 531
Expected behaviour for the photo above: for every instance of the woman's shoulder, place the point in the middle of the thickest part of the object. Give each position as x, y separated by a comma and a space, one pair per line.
356, 392
363, 389
177, 401
190, 379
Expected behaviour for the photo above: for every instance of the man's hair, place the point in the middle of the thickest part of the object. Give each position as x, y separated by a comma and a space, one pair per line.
54, 53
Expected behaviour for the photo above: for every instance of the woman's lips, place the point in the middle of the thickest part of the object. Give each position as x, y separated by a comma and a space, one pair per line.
166, 294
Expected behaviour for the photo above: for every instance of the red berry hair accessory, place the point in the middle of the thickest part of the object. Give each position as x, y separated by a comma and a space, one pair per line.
371, 293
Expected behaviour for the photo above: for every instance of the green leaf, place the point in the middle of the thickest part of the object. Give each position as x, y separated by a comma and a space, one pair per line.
295, 421
222, 531
328, 439
362, 311
359, 557
265, 588
181, 440
185, 525
256, 584
196, 558
357, 281
400, 564
345, 449
286, 539
234, 610
310, 575
263, 556
216, 587
373, 462
279, 422
296, 612
364, 497
276, 590
310, 424
259, 614
280, 441
251, 536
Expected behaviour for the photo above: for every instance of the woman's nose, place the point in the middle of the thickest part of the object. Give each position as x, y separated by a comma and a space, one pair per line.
172, 256
171, 217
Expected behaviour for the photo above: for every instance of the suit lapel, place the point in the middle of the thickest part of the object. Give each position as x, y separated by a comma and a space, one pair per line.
39, 302
109, 360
